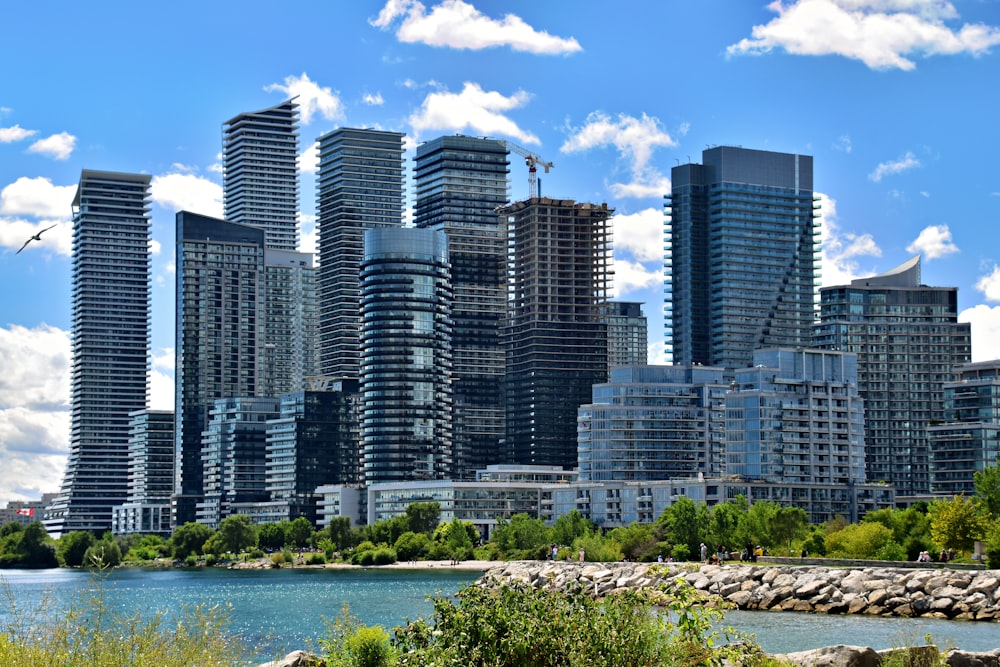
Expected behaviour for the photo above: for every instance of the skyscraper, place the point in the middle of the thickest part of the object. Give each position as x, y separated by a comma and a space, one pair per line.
627, 334
150, 475
360, 186
909, 342
260, 151
740, 270
406, 357
220, 307
289, 342
111, 338
460, 181
556, 344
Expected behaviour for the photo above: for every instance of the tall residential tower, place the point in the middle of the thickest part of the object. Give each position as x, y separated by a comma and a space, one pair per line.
740, 269
111, 337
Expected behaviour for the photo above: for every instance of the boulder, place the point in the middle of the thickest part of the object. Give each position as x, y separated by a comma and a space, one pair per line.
297, 659
834, 656
959, 658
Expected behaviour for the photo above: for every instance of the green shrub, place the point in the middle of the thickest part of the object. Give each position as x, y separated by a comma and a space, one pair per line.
255, 554
384, 556
211, 559
370, 647
316, 558
191, 560
277, 560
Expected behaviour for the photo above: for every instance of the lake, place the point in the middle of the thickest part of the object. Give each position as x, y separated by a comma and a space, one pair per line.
286, 609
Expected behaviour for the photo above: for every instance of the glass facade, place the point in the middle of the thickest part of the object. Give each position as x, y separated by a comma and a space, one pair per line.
653, 423
740, 275
220, 305
360, 186
627, 334
460, 181
556, 344
111, 338
288, 352
406, 356
260, 152
967, 439
908, 341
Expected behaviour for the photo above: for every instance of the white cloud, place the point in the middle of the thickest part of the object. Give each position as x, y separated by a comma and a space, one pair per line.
188, 192
37, 197
309, 239
843, 144
313, 98
161, 380
14, 133
989, 285
840, 250
641, 234
373, 100
473, 110
57, 237
933, 242
59, 146
459, 25
634, 276
635, 139
656, 354
985, 321
34, 410
908, 161
879, 33
309, 159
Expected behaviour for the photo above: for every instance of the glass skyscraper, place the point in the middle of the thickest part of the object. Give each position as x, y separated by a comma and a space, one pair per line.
220, 306
460, 181
360, 186
260, 151
909, 343
555, 341
406, 356
111, 338
740, 269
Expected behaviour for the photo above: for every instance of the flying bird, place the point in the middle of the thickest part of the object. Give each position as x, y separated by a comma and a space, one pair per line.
34, 237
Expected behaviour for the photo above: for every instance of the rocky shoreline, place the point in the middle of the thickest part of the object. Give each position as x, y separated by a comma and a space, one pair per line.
875, 591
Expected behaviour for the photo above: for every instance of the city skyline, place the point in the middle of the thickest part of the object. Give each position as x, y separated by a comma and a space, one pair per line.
895, 129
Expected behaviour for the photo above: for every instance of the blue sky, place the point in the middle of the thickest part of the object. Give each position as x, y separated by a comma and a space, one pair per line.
895, 99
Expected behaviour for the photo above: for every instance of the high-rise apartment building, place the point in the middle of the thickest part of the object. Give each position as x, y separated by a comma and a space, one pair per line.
150, 475
289, 342
740, 269
967, 441
627, 334
556, 344
360, 186
260, 151
909, 342
111, 338
460, 181
406, 357
653, 423
796, 417
220, 307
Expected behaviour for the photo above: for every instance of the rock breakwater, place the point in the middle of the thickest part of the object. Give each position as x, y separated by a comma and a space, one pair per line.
876, 591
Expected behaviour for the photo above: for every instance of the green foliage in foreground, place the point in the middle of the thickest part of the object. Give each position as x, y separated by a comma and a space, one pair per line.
94, 632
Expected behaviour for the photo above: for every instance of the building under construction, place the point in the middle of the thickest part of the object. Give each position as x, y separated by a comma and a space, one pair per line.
559, 255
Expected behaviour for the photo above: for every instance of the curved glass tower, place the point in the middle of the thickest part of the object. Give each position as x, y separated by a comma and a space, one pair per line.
406, 355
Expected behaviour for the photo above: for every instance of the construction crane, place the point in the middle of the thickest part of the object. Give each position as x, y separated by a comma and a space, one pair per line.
533, 160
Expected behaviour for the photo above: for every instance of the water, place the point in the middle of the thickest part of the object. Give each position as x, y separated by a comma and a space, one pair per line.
281, 610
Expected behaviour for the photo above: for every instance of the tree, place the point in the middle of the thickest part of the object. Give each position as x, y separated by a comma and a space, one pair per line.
31, 547
957, 523
570, 526
339, 531
300, 530
189, 539
684, 522
522, 535
727, 523
271, 535
758, 520
236, 533
411, 546
423, 517
72, 547
636, 541
859, 540
787, 523
987, 483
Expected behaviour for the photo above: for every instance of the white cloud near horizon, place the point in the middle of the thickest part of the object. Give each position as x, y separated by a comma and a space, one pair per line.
9, 135
308, 161
839, 250
34, 410
459, 25
933, 241
312, 98
641, 234
161, 380
907, 161
635, 140
57, 146
883, 34
187, 192
989, 284
985, 321
473, 110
